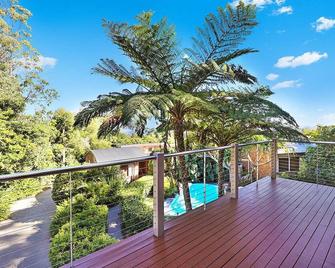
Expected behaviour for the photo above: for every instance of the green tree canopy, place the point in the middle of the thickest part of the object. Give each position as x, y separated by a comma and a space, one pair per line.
171, 86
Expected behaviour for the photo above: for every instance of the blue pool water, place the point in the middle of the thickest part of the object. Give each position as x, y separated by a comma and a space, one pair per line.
177, 205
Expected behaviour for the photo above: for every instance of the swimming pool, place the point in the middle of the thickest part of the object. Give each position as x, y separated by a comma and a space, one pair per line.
177, 205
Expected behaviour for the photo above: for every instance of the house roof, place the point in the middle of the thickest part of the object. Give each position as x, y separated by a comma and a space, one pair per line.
114, 154
298, 148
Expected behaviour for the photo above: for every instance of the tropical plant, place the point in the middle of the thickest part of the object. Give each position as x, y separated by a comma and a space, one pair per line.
172, 86
241, 116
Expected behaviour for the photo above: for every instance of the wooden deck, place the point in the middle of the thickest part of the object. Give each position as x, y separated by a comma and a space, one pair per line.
277, 223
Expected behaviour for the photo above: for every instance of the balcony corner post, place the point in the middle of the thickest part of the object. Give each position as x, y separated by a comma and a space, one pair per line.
233, 174
158, 194
274, 160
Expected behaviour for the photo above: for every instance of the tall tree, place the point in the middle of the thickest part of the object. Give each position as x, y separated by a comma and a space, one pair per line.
19, 60
20, 84
242, 115
172, 86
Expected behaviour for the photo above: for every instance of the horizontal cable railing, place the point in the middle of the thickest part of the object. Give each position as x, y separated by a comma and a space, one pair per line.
311, 161
67, 213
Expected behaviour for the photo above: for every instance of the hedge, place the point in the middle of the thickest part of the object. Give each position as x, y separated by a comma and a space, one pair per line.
89, 227
85, 241
136, 215
102, 185
136, 207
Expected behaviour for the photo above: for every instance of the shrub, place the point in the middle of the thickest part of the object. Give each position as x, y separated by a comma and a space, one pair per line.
105, 193
83, 210
136, 215
85, 241
89, 225
144, 184
103, 185
61, 186
4, 208
170, 190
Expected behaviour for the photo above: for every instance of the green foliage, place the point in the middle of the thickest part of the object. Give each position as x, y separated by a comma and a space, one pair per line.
84, 213
61, 186
17, 54
171, 88
16, 190
89, 227
162, 74
136, 215
318, 161
103, 185
143, 187
195, 166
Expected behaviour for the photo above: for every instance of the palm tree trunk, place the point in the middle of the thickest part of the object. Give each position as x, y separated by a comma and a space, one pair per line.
220, 173
179, 136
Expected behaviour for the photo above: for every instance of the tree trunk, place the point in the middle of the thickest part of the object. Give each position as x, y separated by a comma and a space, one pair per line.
179, 136
220, 173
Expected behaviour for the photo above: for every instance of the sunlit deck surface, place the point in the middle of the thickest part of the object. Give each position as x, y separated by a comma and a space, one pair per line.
277, 223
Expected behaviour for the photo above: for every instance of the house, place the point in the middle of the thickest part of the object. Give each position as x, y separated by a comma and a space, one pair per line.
133, 170
289, 157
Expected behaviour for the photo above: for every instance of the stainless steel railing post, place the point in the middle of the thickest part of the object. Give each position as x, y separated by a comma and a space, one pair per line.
204, 170
71, 222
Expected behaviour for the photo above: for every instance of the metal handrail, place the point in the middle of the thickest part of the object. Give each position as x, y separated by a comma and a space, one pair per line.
313, 142
55, 171
253, 143
197, 151
61, 170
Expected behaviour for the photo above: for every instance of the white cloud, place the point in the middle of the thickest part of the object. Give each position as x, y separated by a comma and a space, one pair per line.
280, 31
287, 84
280, 2
258, 3
327, 119
42, 62
304, 59
284, 10
47, 62
272, 76
323, 24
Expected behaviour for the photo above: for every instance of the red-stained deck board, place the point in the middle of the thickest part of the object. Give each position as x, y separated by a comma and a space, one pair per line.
330, 259
268, 235
219, 227
130, 250
282, 256
279, 222
281, 232
279, 249
218, 246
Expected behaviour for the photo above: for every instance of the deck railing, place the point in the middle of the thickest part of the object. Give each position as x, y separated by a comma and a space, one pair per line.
24, 237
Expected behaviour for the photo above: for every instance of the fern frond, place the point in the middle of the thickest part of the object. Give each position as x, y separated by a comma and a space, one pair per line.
223, 32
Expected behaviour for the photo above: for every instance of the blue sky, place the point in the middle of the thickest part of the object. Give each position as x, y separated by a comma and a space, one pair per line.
295, 39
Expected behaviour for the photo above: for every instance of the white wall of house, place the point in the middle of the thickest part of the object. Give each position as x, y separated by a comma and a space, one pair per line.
133, 171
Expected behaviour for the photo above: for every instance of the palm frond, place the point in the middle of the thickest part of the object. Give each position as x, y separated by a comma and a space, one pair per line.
118, 72
223, 32
151, 47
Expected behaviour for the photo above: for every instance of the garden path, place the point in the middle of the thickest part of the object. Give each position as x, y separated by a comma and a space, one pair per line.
114, 222
24, 238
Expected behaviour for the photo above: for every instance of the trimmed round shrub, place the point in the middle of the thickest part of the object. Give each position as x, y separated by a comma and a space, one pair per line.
85, 241
136, 215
